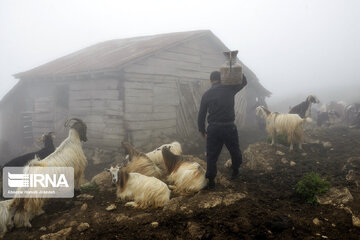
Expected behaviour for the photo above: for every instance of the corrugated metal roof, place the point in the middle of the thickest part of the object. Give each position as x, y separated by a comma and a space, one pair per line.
110, 54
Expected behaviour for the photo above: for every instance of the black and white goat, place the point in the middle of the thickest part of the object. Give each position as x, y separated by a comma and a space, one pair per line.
48, 148
68, 154
303, 109
143, 190
289, 124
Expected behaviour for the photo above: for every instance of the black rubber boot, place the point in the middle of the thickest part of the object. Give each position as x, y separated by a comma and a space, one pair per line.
210, 185
235, 174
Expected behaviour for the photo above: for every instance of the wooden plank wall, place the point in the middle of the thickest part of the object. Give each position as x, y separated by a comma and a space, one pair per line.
43, 116
163, 92
12, 129
150, 106
99, 102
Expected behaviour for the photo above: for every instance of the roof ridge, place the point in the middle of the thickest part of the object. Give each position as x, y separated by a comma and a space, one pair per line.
107, 49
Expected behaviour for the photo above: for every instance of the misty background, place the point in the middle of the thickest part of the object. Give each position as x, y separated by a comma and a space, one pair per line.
295, 48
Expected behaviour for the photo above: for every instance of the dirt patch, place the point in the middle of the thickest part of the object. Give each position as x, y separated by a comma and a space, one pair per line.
257, 205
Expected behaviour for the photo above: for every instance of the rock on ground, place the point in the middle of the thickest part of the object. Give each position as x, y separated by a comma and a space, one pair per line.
355, 221
352, 170
154, 224
84, 207
111, 207
316, 221
71, 224
216, 198
84, 197
228, 163
103, 180
327, 144
121, 217
60, 235
173, 204
335, 196
232, 198
195, 230
82, 227
262, 156
213, 199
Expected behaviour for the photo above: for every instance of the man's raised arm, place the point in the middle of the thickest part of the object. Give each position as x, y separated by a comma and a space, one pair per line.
237, 88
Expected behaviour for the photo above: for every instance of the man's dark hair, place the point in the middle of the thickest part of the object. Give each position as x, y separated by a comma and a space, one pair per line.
215, 76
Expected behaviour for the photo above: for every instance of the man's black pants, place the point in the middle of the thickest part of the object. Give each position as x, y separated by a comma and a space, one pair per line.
217, 136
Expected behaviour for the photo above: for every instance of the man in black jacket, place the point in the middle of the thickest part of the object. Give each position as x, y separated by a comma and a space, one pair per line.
218, 101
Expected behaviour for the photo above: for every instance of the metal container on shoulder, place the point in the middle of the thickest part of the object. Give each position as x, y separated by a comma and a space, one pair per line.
231, 71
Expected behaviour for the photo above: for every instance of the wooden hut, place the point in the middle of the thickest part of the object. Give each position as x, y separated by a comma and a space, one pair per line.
136, 89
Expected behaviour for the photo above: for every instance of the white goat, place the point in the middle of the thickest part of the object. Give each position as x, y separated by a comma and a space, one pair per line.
188, 177
157, 157
140, 163
145, 191
6, 216
289, 124
68, 154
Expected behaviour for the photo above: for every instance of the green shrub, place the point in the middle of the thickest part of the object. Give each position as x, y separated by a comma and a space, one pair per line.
280, 138
90, 187
310, 186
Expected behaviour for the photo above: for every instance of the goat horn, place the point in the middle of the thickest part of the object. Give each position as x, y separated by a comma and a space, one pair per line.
76, 119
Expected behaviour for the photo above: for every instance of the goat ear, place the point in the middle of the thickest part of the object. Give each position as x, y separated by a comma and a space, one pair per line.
123, 177
107, 169
166, 151
170, 159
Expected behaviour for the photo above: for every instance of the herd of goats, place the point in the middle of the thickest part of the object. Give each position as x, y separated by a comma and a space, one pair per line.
147, 179
141, 179
291, 124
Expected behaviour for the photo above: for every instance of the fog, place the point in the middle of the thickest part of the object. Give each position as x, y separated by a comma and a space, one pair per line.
296, 48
